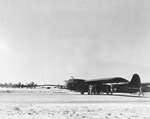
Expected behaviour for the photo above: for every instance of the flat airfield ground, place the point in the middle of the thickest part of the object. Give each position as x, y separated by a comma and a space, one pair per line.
63, 104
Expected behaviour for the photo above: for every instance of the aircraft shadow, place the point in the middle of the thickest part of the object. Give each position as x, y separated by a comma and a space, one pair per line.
124, 95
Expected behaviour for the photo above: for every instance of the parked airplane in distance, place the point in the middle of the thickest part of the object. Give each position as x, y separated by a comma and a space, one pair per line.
30, 85
106, 85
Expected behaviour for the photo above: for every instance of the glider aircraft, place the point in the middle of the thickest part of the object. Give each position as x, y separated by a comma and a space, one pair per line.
106, 85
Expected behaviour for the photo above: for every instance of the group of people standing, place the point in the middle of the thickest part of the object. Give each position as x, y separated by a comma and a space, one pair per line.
99, 89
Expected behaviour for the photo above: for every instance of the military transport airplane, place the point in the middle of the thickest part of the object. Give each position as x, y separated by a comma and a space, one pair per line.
106, 85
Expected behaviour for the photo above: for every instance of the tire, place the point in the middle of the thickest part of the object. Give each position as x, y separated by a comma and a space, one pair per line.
82, 93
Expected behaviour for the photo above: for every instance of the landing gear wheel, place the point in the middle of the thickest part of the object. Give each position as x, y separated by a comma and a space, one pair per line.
82, 93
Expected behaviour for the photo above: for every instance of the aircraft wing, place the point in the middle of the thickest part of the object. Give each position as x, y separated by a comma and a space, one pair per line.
108, 80
145, 84
145, 87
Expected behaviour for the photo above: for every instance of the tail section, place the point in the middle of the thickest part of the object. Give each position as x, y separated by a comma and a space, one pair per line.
135, 81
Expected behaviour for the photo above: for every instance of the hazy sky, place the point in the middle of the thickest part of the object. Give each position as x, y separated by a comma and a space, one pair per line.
47, 41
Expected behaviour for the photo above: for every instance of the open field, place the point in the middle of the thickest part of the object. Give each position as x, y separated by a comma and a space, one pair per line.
63, 104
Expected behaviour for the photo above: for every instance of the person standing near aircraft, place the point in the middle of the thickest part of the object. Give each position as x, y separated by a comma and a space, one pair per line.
111, 89
90, 89
140, 91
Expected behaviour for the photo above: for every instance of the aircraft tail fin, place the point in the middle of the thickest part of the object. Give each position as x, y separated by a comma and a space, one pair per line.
135, 81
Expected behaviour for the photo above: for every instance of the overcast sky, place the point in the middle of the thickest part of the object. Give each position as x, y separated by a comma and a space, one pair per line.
47, 41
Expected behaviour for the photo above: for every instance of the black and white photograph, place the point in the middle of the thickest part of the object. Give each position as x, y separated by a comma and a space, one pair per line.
74, 59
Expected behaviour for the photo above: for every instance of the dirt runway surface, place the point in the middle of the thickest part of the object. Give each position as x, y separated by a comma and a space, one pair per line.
68, 105
70, 98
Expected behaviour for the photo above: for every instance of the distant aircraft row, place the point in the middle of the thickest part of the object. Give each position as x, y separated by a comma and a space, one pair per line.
19, 85
30, 85
108, 85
